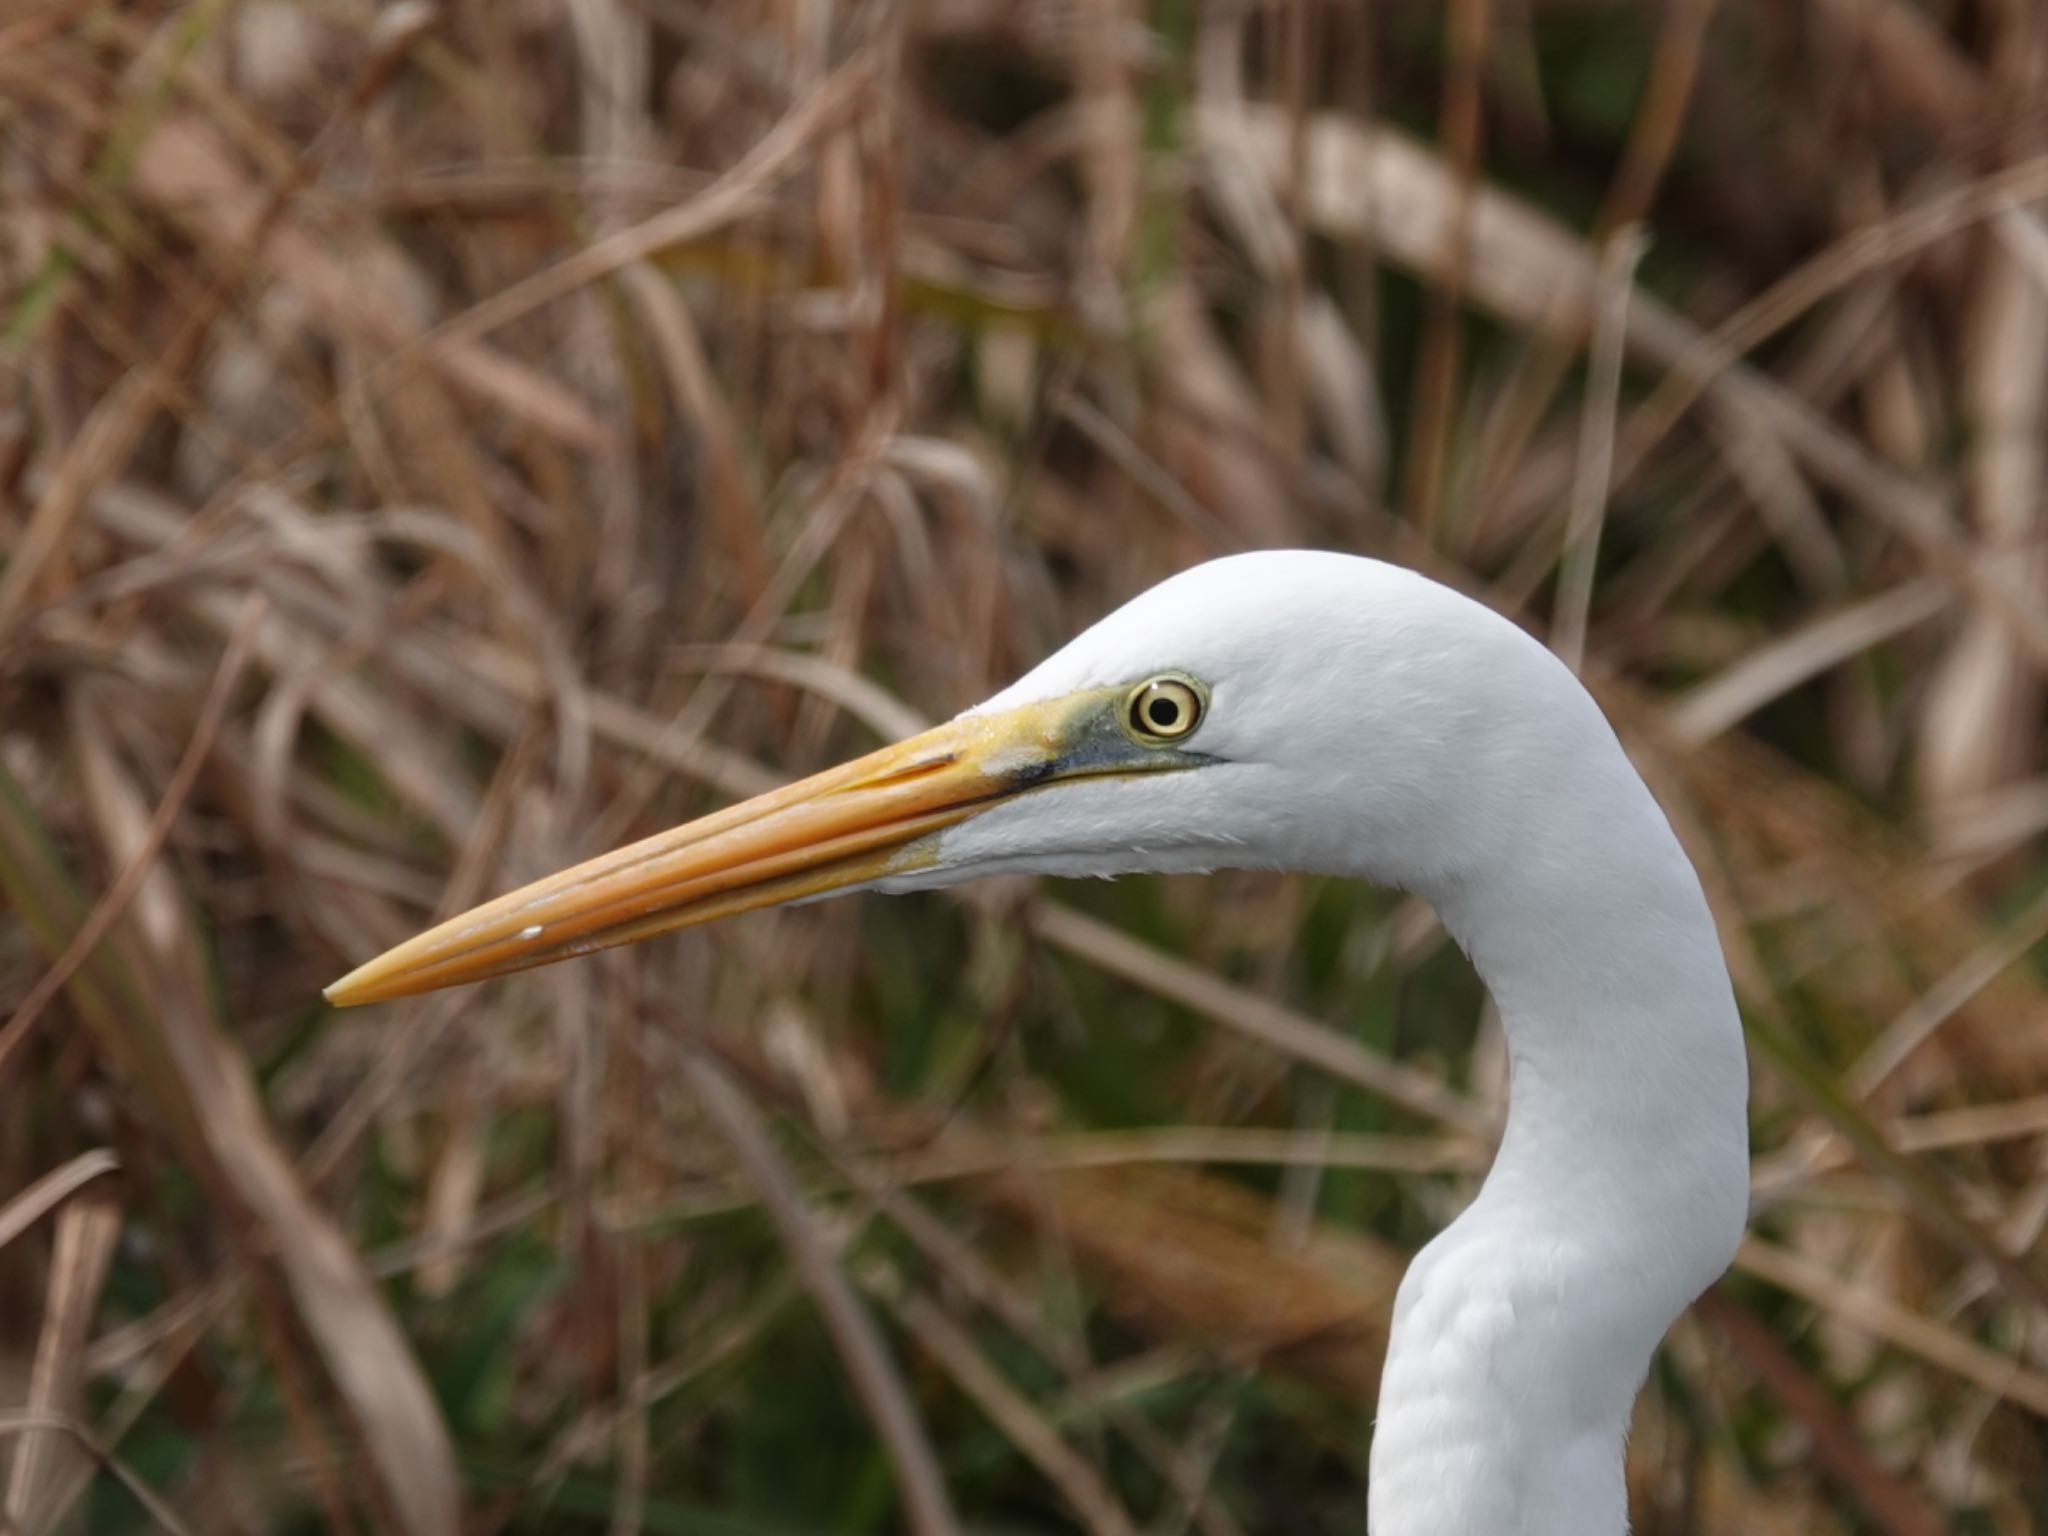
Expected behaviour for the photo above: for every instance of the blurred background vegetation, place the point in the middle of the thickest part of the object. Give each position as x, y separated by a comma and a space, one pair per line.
440, 441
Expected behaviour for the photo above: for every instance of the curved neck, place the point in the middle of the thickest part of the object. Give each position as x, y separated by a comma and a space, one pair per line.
1522, 1333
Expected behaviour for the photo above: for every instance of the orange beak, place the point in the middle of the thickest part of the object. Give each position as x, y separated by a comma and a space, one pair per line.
860, 822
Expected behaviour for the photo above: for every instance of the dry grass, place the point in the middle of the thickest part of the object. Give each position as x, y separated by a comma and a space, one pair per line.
438, 442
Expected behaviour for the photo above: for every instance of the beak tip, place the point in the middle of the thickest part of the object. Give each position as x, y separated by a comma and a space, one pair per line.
349, 990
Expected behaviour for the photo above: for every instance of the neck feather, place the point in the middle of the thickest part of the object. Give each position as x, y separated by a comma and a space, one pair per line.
1522, 1333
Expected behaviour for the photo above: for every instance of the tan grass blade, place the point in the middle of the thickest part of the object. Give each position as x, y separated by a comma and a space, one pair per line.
86, 1231
52, 1190
1788, 660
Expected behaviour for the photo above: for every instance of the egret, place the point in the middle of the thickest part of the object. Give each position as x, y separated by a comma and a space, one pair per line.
1333, 714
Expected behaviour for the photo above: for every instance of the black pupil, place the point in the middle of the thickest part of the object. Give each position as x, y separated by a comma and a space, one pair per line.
1164, 713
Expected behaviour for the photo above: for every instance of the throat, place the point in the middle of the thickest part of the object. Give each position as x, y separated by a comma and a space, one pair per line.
1628, 1080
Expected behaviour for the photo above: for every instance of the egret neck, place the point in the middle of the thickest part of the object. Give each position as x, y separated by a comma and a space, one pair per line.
1523, 1332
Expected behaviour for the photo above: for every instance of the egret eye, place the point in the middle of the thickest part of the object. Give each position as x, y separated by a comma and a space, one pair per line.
1165, 709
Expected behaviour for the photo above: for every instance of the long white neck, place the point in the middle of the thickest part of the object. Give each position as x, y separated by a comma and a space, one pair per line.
1523, 1332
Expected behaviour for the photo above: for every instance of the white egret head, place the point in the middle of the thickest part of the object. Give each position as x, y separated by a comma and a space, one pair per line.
1354, 718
